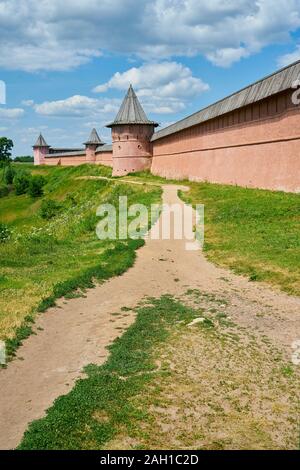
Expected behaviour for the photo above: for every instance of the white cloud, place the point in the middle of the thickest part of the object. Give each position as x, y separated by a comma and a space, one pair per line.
54, 57
77, 106
42, 35
27, 103
226, 57
162, 87
289, 58
11, 113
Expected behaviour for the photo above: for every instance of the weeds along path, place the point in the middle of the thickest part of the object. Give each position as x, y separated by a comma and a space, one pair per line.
76, 332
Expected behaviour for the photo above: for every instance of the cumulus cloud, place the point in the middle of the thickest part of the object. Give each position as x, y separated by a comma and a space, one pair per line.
289, 58
162, 87
168, 78
77, 106
42, 35
227, 56
11, 113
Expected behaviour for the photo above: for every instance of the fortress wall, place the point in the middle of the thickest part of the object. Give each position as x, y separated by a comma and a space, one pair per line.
73, 160
255, 146
104, 158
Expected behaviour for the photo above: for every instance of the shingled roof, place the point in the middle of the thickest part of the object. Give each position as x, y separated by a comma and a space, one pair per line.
94, 138
279, 81
131, 111
41, 142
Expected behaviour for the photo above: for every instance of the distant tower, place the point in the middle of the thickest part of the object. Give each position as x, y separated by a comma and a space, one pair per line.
131, 135
40, 149
91, 146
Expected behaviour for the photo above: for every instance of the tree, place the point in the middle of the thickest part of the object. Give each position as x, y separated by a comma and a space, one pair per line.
25, 159
49, 209
9, 174
21, 182
6, 146
36, 184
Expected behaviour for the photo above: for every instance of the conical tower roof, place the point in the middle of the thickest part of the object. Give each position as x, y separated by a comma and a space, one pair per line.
94, 138
41, 142
131, 111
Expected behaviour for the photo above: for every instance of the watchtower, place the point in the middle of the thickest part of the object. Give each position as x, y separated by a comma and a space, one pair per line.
131, 137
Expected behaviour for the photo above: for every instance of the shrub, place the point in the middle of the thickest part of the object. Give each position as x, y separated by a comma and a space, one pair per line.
5, 233
9, 174
36, 183
3, 190
21, 182
49, 209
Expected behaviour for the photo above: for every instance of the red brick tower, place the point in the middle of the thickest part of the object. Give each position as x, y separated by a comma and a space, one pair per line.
91, 146
131, 137
40, 149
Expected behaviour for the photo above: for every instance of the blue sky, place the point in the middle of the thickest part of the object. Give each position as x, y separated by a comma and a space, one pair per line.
67, 65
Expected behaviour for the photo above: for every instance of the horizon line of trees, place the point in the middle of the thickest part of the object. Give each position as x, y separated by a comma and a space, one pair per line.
6, 146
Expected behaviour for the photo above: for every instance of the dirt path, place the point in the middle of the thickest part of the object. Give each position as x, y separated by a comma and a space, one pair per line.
76, 332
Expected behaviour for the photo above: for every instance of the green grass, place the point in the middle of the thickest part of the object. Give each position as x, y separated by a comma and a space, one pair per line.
253, 232
49, 259
165, 384
98, 406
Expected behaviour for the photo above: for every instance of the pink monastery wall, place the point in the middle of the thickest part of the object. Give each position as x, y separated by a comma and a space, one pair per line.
66, 161
102, 158
256, 146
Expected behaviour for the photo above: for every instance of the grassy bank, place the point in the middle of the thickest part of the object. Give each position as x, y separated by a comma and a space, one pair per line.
253, 232
170, 385
46, 259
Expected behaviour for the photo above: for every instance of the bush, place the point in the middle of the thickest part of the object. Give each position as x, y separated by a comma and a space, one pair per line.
9, 174
49, 209
36, 184
5, 233
21, 182
3, 190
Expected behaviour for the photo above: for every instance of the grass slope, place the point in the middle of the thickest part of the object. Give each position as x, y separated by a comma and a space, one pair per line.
48, 259
167, 385
253, 232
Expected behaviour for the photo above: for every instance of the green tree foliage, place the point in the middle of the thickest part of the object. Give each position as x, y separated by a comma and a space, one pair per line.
6, 146
36, 184
25, 159
49, 209
9, 174
21, 182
